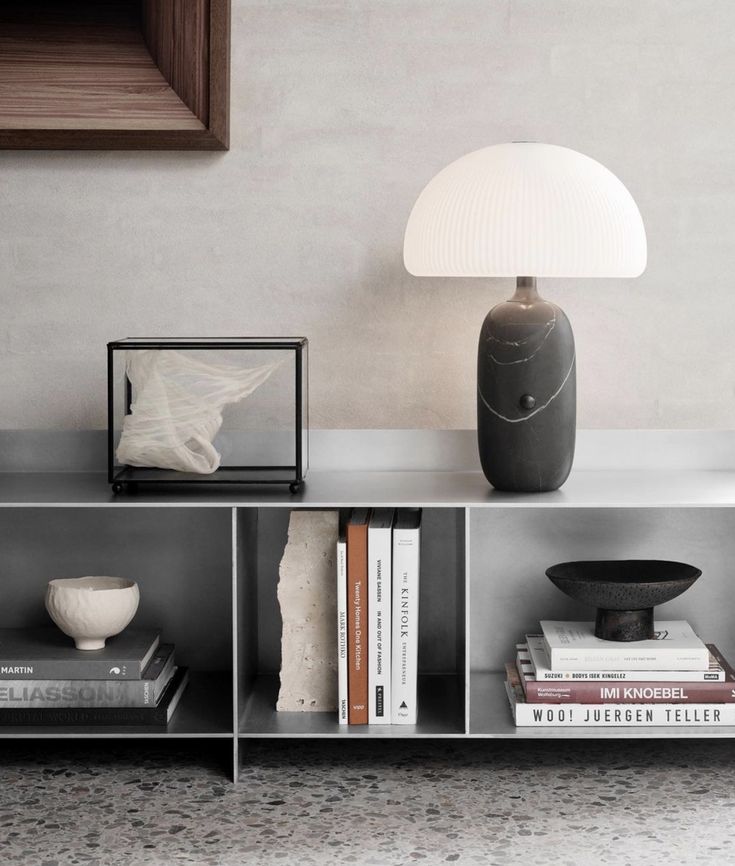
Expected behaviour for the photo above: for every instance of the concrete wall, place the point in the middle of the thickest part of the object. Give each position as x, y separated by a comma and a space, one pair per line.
341, 112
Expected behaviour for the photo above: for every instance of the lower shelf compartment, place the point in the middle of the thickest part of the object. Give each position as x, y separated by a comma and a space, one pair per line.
205, 710
441, 714
491, 717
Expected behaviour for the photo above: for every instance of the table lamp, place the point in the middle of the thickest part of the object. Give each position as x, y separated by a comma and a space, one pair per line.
525, 210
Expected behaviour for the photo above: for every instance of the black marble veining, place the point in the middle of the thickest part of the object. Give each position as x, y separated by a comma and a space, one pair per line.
526, 394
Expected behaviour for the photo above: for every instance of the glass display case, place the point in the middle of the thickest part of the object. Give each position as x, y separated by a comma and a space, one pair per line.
207, 411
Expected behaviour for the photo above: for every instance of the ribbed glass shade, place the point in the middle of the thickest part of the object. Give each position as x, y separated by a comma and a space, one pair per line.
525, 209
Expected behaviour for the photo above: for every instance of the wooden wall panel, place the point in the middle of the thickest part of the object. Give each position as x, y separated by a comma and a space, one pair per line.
96, 77
118, 74
219, 70
177, 35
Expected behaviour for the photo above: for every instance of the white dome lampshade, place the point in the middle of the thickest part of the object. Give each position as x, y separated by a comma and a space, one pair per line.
525, 208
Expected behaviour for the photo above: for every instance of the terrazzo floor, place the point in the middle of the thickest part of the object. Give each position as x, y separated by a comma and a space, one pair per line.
566, 804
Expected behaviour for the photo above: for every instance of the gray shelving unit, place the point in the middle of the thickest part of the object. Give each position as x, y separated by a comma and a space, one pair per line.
207, 563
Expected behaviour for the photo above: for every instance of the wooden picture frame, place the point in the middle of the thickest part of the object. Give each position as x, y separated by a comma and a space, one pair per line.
115, 74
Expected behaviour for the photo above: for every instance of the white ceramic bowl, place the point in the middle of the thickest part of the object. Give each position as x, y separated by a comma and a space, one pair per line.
91, 609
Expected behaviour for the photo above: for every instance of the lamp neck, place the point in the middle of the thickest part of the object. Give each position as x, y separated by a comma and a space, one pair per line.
526, 292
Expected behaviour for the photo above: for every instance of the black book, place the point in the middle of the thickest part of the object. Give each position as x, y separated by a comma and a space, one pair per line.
49, 654
139, 716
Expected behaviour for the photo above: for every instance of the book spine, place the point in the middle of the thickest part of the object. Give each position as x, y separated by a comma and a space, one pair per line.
573, 646
59, 694
158, 686
633, 676
616, 693
379, 630
83, 669
85, 716
717, 672
342, 694
357, 612
624, 716
625, 658
672, 660
717, 659
406, 543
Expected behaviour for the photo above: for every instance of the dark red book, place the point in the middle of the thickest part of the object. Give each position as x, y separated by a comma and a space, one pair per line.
357, 616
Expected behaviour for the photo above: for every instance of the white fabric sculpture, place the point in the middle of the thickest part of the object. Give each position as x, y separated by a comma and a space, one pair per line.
177, 408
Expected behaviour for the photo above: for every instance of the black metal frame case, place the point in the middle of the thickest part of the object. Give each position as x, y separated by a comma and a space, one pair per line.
124, 478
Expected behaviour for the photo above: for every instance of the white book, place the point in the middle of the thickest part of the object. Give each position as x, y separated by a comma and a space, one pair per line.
380, 555
542, 669
618, 715
342, 661
572, 646
406, 556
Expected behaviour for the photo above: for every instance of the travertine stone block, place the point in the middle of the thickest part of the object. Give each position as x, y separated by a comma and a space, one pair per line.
307, 594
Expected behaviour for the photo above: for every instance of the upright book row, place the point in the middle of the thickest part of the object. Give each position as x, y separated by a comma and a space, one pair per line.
378, 555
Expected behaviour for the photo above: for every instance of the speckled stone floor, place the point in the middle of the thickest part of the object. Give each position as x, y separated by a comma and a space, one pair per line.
566, 804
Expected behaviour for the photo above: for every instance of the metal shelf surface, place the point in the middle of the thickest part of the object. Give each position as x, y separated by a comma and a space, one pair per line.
584, 489
440, 701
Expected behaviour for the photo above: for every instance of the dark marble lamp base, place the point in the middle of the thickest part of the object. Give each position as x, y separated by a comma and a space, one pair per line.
526, 393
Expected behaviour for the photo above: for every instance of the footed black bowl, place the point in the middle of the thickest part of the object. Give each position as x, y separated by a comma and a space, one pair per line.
624, 591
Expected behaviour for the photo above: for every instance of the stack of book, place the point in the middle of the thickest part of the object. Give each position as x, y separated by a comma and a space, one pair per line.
566, 676
377, 616
45, 680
